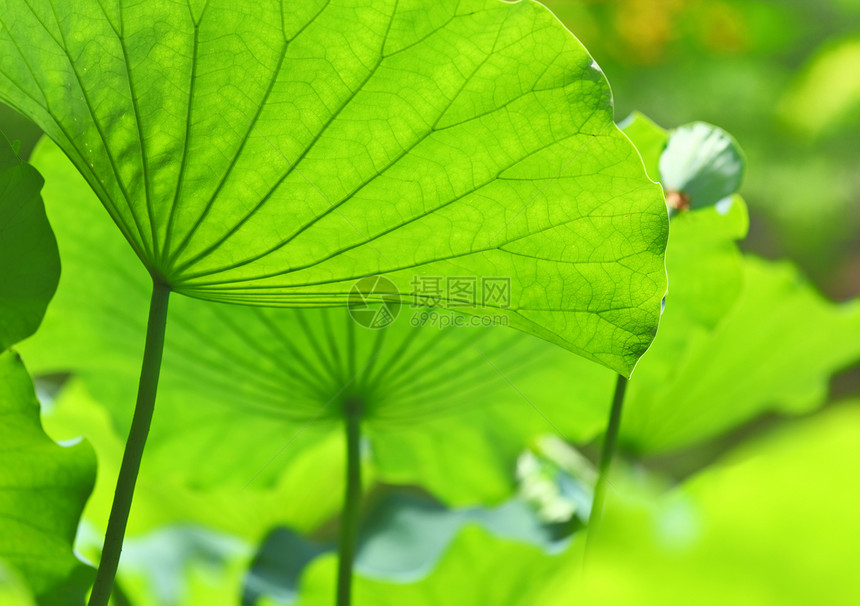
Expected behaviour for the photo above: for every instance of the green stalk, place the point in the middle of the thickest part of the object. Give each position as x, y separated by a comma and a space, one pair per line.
147, 387
351, 502
606, 455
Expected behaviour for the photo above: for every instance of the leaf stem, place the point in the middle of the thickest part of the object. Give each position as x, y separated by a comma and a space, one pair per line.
606, 454
352, 500
147, 387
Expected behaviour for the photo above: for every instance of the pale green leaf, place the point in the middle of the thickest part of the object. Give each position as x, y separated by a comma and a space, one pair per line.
13, 589
774, 351
703, 163
43, 487
773, 524
704, 263
649, 138
826, 93
265, 155
161, 499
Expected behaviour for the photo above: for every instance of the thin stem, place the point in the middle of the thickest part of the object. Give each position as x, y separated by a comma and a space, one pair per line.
147, 387
351, 503
606, 455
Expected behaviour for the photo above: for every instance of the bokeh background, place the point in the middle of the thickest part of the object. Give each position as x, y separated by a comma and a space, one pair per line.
783, 76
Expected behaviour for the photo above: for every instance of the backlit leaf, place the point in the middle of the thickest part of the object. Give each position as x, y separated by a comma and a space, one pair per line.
774, 351
265, 155
247, 379
43, 487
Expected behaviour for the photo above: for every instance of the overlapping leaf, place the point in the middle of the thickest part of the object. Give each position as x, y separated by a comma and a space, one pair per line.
738, 337
43, 486
268, 154
246, 380
775, 351
478, 569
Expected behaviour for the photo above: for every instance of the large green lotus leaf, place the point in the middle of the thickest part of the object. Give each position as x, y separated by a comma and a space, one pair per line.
774, 524
29, 262
774, 351
43, 487
269, 155
478, 569
269, 383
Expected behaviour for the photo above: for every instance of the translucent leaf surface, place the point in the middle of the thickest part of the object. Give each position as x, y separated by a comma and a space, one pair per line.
649, 138
262, 155
774, 351
246, 379
43, 487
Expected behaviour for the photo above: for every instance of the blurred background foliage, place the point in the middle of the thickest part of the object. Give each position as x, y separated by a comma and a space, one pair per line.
783, 76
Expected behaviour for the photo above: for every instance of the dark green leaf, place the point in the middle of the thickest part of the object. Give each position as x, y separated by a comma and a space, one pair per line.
29, 262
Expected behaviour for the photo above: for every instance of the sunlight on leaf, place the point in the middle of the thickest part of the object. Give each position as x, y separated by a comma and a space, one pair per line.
649, 138
267, 156
774, 351
773, 524
43, 487
245, 379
